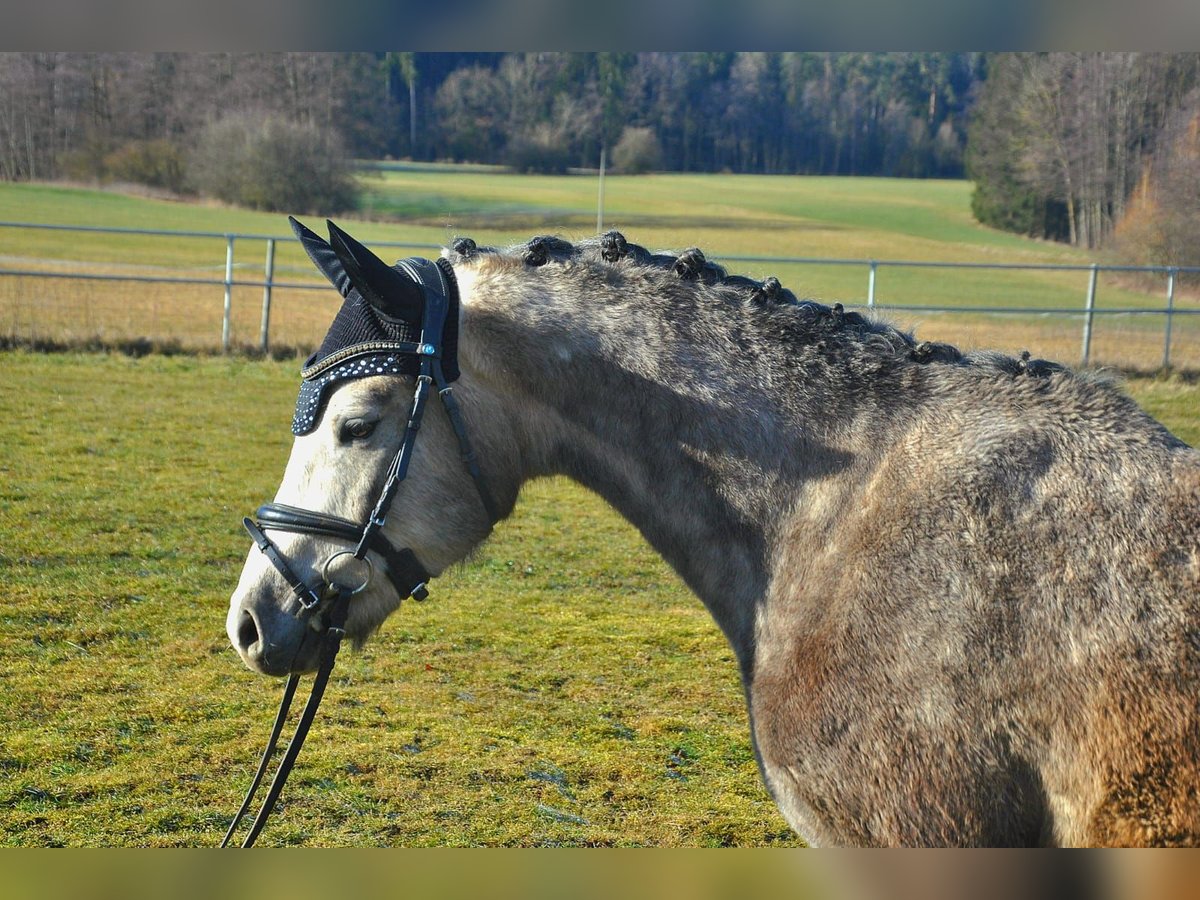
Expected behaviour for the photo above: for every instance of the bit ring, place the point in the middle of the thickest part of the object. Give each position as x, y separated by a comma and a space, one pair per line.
331, 582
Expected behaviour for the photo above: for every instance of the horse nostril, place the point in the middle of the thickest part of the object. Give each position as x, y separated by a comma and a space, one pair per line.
247, 631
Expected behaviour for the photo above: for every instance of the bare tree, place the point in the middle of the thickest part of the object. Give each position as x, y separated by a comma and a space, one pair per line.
1161, 225
1085, 125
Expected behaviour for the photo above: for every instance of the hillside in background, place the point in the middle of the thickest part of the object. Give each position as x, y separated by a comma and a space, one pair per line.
727, 216
1056, 143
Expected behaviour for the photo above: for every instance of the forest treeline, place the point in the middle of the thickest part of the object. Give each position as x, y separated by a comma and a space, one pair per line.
816, 113
1080, 147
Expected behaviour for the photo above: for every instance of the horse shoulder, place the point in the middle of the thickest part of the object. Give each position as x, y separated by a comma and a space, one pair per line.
959, 594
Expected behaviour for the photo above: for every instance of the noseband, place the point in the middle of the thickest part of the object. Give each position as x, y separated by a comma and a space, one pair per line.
327, 601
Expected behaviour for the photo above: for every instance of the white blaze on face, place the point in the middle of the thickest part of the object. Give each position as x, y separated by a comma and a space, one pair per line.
337, 470
330, 472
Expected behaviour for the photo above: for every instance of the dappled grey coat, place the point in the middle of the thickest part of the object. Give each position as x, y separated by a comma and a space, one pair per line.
963, 589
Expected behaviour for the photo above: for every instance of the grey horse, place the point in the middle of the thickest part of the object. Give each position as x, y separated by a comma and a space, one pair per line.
963, 589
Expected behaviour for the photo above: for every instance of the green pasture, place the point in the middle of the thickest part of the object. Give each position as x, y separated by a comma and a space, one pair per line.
818, 217
563, 688
751, 214
722, 214
728, 216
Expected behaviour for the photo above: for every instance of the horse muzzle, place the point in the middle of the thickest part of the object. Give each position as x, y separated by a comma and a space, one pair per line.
269, 638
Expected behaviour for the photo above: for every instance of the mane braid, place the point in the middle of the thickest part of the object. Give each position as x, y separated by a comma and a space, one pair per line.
808, 315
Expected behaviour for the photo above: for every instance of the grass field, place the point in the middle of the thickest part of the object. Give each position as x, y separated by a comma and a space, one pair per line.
726, 215
564, 688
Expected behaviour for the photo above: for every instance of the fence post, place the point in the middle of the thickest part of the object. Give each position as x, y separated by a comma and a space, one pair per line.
1089, 314
268, 276
871, 285
600, 192
228, 293
1170, 312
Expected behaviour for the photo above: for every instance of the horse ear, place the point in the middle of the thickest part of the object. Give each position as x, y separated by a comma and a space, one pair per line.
384, 288
323, 257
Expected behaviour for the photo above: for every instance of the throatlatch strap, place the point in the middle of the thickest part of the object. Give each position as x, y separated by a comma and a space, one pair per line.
466, 452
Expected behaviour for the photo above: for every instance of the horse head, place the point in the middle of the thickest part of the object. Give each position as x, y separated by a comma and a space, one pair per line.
345, 518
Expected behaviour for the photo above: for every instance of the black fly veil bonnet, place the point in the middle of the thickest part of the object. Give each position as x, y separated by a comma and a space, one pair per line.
380, 320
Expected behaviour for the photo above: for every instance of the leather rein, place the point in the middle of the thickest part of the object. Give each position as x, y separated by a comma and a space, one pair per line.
329, 600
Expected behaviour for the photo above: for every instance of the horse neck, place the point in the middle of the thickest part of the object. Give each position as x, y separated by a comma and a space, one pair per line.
683, 427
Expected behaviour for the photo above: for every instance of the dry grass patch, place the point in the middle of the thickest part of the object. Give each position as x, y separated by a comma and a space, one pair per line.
561, 689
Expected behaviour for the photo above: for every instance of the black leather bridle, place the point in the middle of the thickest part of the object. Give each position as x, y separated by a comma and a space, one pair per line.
329, 599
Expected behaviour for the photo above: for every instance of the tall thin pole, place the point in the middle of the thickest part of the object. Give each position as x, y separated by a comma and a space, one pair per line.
412, 113
600, 195
228, 293
871, 285
1170, 314
1089, 314
268, 277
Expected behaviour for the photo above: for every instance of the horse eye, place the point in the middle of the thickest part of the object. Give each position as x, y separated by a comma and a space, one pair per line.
356, 429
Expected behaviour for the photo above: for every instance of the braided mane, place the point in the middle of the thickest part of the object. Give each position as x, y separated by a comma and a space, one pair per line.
769, 294
611, 247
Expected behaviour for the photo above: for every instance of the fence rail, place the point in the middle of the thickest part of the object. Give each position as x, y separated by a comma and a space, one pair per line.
230, 285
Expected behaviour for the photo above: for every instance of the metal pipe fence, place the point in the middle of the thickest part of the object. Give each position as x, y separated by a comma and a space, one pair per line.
36, 299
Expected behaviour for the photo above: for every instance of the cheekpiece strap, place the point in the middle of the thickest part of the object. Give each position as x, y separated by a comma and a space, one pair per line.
437, 290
